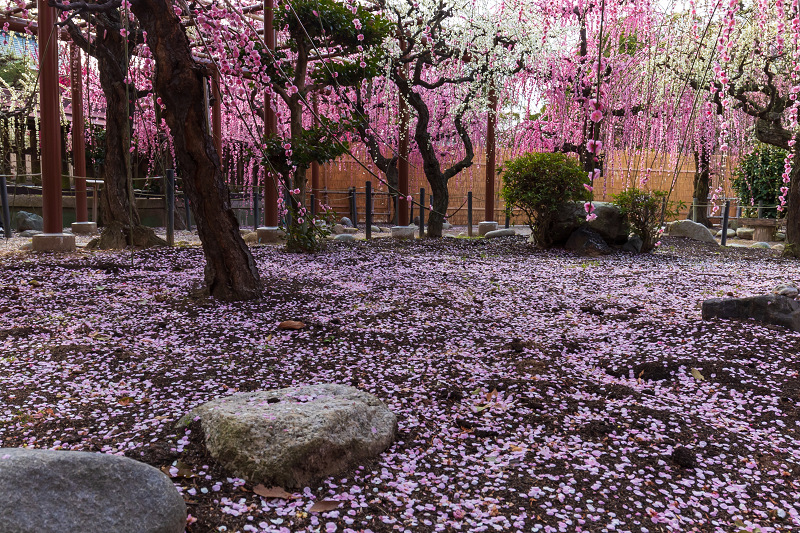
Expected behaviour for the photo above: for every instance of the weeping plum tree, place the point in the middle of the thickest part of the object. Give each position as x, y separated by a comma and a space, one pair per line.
110, 43
230, 272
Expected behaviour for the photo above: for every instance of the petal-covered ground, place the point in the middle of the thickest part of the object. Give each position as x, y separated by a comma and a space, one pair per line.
519, 378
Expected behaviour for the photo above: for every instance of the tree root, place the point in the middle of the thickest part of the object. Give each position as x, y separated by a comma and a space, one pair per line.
116, 236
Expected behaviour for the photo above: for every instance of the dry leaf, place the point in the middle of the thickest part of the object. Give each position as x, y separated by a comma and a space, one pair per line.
697, 375
324, 505
125, 401
184, 470
517, 448
272, 492
291, 324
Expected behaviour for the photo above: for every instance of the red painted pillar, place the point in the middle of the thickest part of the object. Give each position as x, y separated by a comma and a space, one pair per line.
78, 134
315, 165
50, 127
491, 159
270, 127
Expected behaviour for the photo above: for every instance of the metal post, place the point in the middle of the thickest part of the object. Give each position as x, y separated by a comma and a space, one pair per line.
368, 209
411, 214
170, 190
760, 209
188, 213
396, 204
421, 212
469, 214
353, 212
256, 208
430, 213
313, 207
6, 210
695, 207
508, 220
725, 222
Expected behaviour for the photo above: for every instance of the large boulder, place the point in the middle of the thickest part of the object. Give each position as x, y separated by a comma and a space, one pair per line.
610, 222
767, 309
690, 230
296, 436
586, 241
26, 221
49, 491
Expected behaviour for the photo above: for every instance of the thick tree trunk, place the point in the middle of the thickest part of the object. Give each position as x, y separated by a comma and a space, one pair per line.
230, 272
793, 210
702, 185
441, 200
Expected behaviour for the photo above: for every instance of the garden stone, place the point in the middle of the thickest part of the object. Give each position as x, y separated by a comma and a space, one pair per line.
500, 233
26, 221
351, 231
586, 241
446, 225
251, 237
763, 245
733, 224
297, 436
485, 227
789, 290
767, 309
49, 491
691, 230
610, 222
346, 237
346, 222
375, 229
778, 247
404, 232
29, 233
337, 229
634, 244
731, 233
270, 234
780, 236
745, 233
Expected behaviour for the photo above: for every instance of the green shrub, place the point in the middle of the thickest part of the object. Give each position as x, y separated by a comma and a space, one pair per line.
757, 179
643, 212
538, 184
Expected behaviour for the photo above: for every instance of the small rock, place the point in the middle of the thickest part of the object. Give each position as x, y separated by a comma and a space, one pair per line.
789, 290
337, 229
691, 230
780, 236
309, 433
588, 242
346, 222
29, 233
404, 232
446, 225
375, 229
500, 233
745, 233
778, 247
25, 221
763, 245
251, 237
346, 237
351, 231
684, 457
54, 490
731, 233
634, 244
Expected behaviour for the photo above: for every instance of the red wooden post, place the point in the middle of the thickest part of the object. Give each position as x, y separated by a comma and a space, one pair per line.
270, 127
78, 134
50, 130
491, 160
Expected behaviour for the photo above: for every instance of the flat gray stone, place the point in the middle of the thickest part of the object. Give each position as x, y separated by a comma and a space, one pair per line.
375, 229
690, 230
485, 227
297, 436
29, 233
346, 237
745, 233
337, 229
763, 245
50, 491
789, 290
270, 234
500, 233
404, 232
731, 233
351, 231
767, 309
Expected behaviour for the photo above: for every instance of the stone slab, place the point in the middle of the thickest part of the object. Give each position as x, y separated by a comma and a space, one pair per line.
53, 242
404, 232
84, 228
270, 235
485, 227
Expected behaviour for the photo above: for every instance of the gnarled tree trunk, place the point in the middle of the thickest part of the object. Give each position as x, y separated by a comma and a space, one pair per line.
230, 272
702, 185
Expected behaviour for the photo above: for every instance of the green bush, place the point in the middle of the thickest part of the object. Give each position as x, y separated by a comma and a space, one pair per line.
538, 184
643, 212
757, 179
